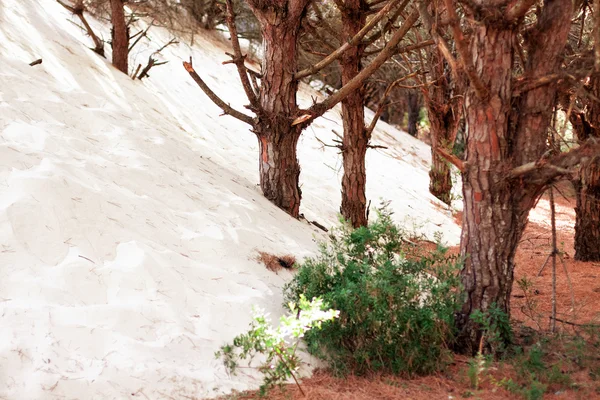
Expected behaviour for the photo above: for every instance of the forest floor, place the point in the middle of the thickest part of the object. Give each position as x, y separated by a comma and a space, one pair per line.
569, 366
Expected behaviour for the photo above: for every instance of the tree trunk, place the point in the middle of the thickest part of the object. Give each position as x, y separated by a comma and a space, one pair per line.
587, 225
120, 36
499, 139
444, 119
587, 184
440, 180
413, 112
279, 167
354, 149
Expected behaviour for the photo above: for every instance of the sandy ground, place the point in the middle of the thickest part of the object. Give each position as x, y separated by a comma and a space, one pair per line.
454, 383
130, 218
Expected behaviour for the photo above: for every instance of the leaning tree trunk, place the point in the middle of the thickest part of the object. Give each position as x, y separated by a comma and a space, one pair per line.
354, 148
278, 163
412, 100
120, 36
501, 138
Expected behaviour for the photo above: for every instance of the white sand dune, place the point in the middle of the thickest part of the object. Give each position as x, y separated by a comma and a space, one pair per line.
130, 217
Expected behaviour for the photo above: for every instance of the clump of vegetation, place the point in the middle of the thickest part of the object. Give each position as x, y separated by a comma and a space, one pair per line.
279, 345
396, 313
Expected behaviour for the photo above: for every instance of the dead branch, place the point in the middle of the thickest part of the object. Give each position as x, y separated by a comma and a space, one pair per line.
439, 40
383, 104
319, 109
387, 27
463, 50
451, 158
527, 85
140, 35
239, 59
153, 62
136, 71
36, 62
352, 42
227, 109
547, 169
78, 10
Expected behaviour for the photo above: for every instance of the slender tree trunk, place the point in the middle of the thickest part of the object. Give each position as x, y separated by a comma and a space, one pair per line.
279, 167
412, 99
499, 139
120, 36
354, 149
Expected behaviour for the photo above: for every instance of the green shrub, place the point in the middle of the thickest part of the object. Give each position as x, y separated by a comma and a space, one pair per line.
396, 313
278, 345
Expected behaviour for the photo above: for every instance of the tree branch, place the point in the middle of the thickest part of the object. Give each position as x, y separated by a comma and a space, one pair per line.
382, 103
547, 169
463, 51
352, 42
240, 60
78, 10
227, 109
451, 158
518, 10
319, 109
441, 43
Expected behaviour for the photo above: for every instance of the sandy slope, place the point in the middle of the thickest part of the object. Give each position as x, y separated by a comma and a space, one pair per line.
130, 216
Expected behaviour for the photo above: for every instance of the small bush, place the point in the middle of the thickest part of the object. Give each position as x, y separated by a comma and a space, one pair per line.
278, 345
396, 314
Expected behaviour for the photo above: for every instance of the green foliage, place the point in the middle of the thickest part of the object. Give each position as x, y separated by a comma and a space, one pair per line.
396, 314
495, 324
278, 345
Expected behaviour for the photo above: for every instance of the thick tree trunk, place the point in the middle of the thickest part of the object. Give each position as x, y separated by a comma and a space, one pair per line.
499, 139
587, 225
491, 230
279, 167
412, 100
354, 149
120, 36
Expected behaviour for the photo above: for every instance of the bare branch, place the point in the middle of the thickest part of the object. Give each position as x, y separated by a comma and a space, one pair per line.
352, 42
463, 50
227, 109
439, 40
518, 10
141, 34
319, 109
239, 59
451, 158
546, 169
78, 10
383, 104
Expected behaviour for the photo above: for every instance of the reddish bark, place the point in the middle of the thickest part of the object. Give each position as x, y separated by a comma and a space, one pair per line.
356, 137
587, 224
120, 36
504, 132
587, 185
278, 163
